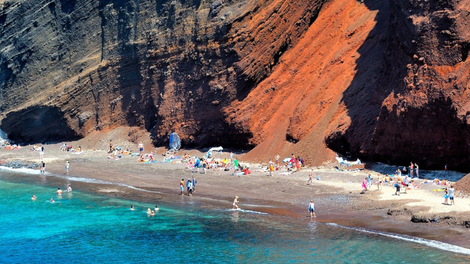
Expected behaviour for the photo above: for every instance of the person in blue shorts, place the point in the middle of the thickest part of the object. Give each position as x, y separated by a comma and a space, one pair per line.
311, 209
451, 194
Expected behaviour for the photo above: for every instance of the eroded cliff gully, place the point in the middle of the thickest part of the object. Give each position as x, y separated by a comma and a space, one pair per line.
383, 80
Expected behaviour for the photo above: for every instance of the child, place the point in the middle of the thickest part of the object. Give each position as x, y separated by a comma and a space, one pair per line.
446, 197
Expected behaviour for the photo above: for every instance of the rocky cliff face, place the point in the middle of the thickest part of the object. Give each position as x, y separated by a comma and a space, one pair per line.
384, 80
422, 107
161, 65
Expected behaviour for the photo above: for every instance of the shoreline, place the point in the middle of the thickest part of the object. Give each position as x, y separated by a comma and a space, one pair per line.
337, 194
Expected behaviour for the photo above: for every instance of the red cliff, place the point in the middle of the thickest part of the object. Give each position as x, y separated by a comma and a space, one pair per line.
382, 80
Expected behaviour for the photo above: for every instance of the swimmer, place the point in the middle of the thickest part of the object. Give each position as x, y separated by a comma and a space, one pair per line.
235, 203
59, 191
69, 188
52, 200
156, 208
132, 208
149, 211
152, 213
33, 197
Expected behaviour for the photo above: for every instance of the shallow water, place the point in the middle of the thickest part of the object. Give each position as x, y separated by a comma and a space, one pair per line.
83, 227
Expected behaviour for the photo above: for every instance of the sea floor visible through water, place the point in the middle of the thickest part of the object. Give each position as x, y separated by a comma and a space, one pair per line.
94, 224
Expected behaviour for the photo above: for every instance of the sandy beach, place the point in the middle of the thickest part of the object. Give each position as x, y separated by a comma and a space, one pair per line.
337, 194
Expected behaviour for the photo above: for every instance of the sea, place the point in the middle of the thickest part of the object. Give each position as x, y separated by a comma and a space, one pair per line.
86, 226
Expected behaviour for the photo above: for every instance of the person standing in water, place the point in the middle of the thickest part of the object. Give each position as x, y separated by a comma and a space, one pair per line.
311, 209
189, 187
194, 182
235, 203
69, 188
182, 186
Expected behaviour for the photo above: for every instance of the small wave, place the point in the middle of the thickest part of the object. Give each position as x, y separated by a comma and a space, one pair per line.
21, 170
422, 241
257, 205
246, 211
96, 181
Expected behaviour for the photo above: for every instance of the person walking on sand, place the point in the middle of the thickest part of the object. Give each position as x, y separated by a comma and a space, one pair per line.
369, 181
43, 167
311, 209
41, 153
67, 166
411, 169
379, 182
417, 170
397, 186
182, 186
310, 177
111, 148
451, 194
271, 167
235, 203
364, 184
297, 163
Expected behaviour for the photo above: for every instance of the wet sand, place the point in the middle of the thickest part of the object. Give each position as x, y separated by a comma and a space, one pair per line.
337, 194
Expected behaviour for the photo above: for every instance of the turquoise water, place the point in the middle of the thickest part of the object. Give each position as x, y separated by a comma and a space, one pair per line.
89, 228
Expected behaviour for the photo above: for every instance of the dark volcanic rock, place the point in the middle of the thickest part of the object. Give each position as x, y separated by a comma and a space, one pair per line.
383, 80
163, 66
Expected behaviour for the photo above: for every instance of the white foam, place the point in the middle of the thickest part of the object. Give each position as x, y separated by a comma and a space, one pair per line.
91, 180
247, 211
418, 240
21, 170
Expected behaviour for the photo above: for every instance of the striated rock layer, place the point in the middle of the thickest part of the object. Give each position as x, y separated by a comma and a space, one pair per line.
383, 80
